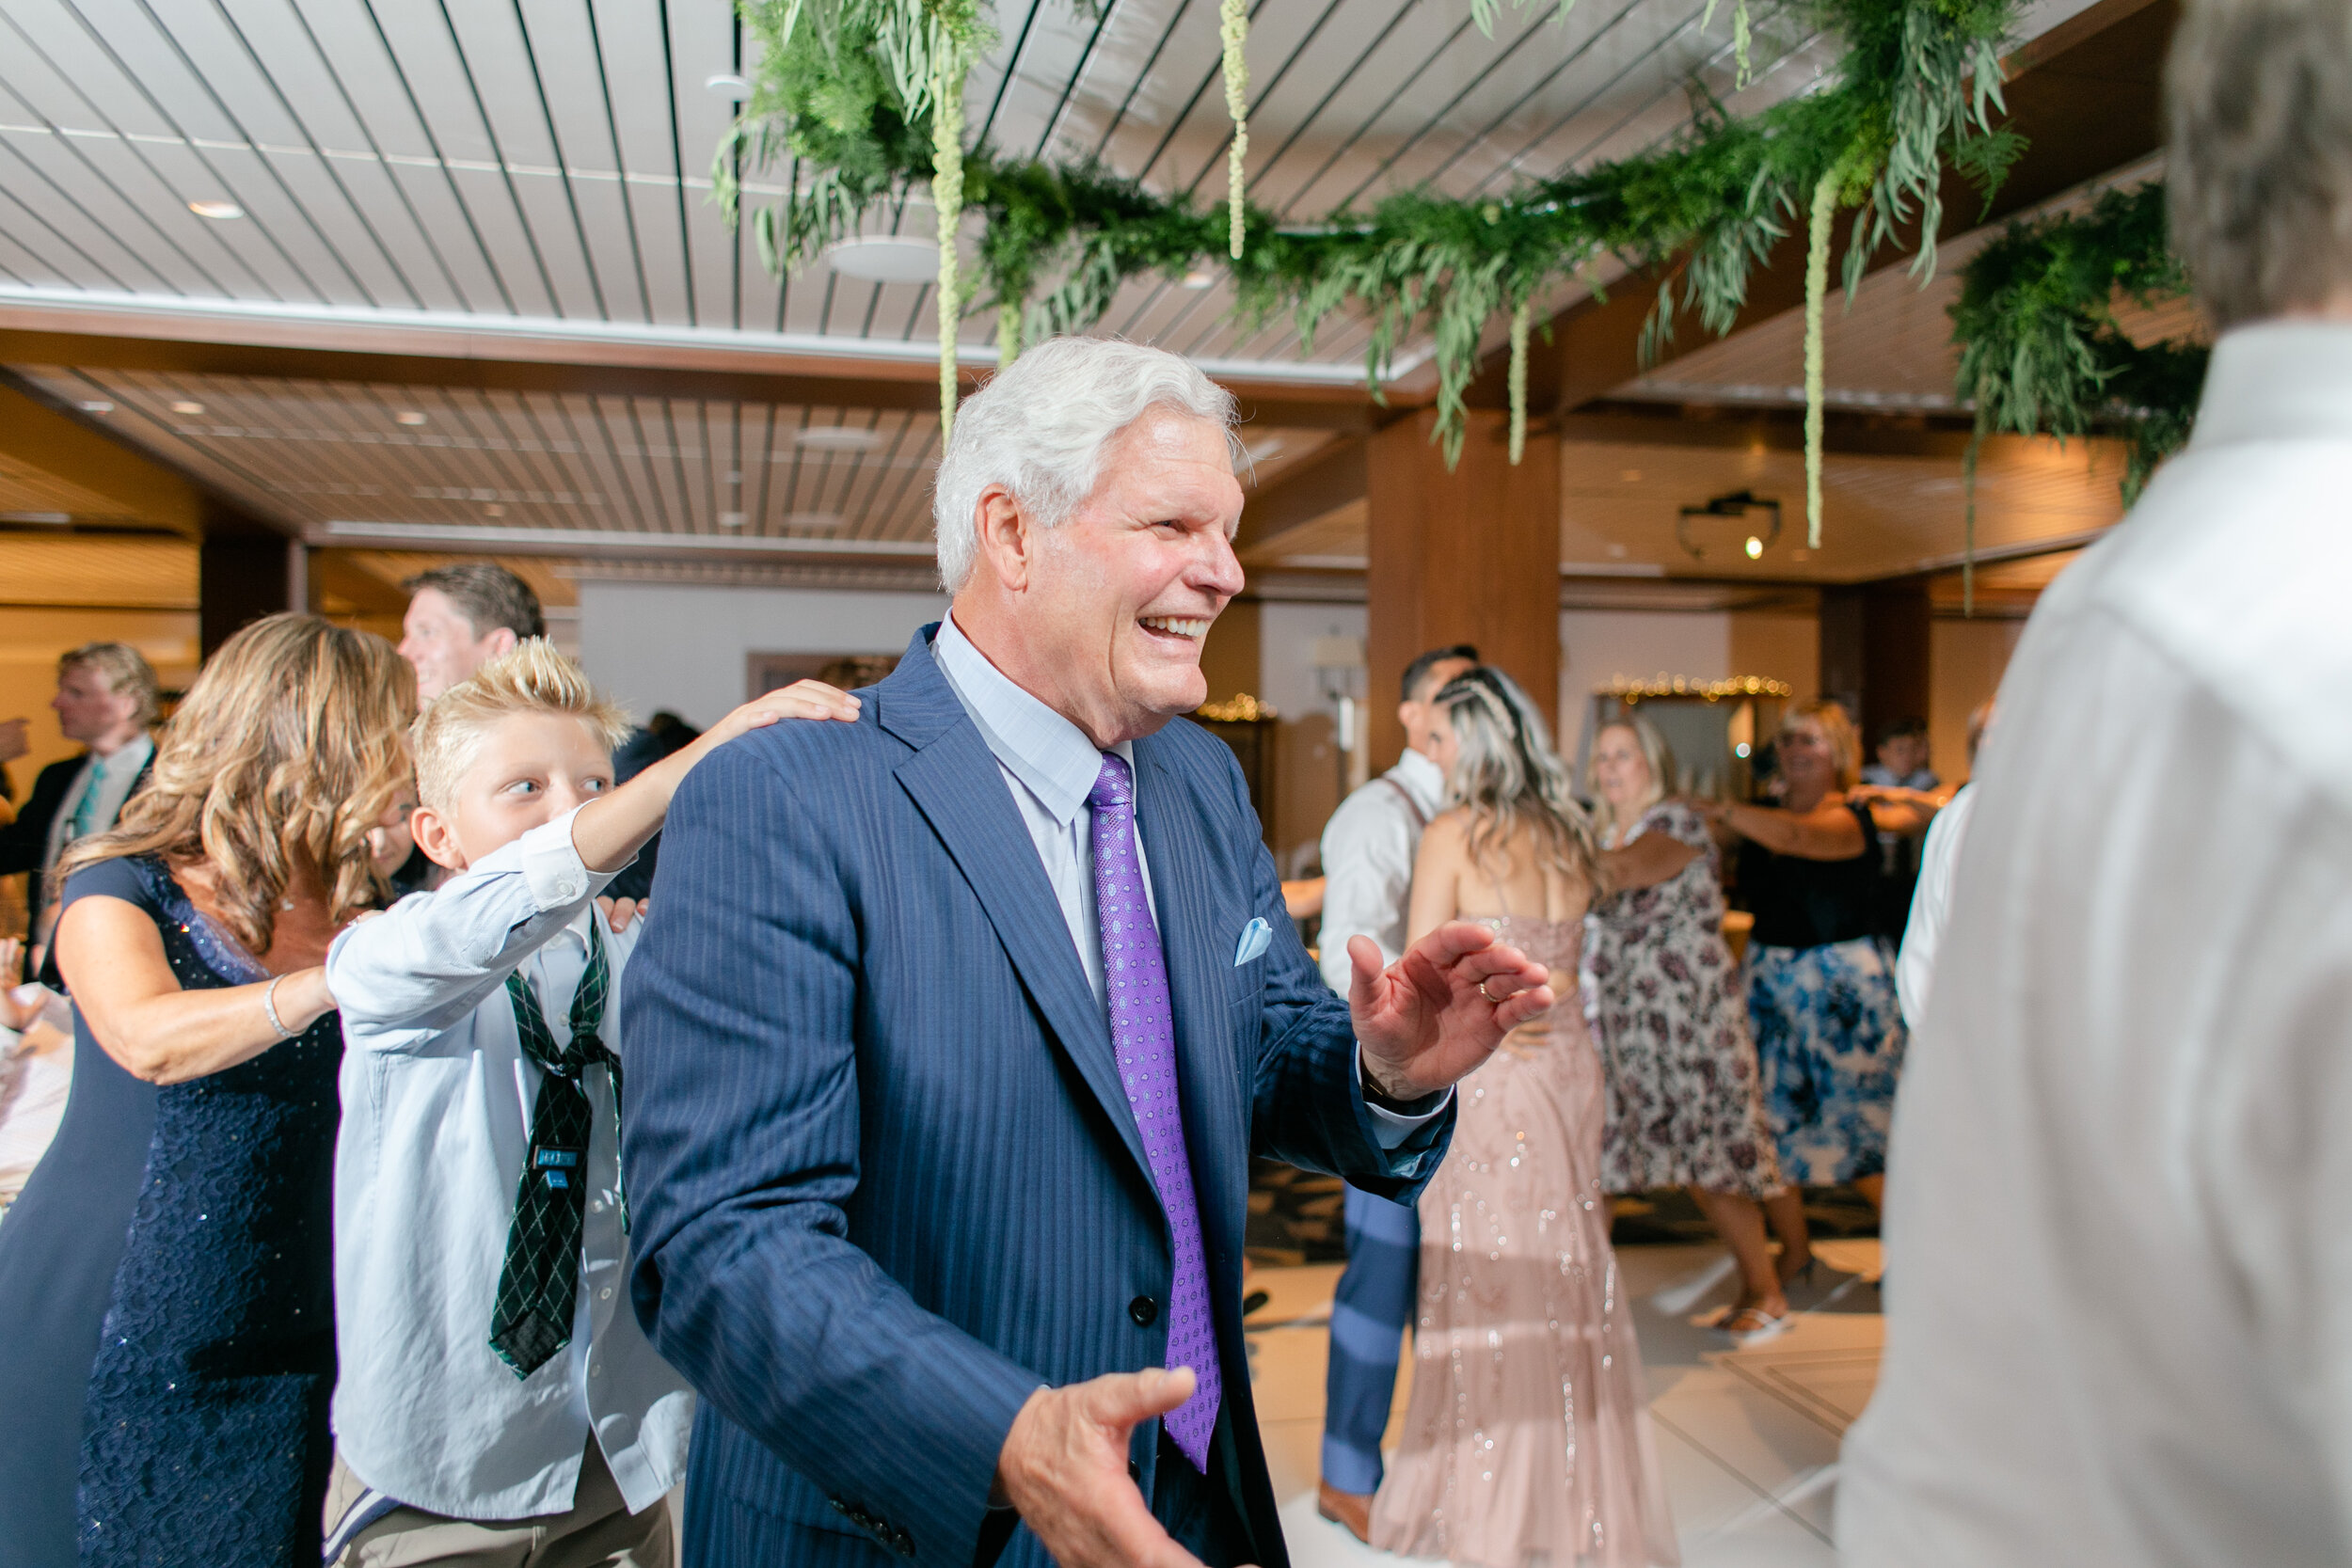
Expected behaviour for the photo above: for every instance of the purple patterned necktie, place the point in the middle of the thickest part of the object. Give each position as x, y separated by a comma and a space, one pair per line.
1143, 1033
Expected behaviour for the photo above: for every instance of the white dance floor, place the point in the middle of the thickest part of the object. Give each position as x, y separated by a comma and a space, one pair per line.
1748, 1438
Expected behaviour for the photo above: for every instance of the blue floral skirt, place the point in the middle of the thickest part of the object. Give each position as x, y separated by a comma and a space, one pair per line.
1828, 1043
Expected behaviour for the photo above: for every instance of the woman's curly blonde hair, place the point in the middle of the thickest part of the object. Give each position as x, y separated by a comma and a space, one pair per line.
290, 744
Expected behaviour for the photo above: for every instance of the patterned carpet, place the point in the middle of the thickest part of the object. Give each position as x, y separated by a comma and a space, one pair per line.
1295, 1216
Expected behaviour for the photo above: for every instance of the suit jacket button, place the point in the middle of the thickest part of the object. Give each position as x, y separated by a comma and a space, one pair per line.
1144, 1310
1135, 1472
901, 1543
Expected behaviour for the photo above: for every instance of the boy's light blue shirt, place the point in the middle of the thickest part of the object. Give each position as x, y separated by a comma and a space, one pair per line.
437, 1106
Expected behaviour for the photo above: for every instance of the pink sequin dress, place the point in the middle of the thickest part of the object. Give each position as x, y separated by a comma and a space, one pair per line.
1527, 1441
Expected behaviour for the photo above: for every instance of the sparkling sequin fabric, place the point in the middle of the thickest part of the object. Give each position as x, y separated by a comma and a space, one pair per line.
1527, 1441
205, 1436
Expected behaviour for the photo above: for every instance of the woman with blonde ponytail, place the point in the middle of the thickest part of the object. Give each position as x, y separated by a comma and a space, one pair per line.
1527, 1438
166, 1273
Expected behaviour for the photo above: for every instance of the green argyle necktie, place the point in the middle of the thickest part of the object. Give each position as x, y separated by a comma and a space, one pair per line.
532, 1318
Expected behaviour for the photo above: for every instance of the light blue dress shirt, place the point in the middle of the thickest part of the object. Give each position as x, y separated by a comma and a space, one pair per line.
1050, 766
437, 1099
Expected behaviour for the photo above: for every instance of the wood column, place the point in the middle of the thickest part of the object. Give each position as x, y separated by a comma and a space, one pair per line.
242, 577
1874, 651
1470, 556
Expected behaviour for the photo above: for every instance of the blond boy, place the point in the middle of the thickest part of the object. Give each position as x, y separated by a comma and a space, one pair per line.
497, 1400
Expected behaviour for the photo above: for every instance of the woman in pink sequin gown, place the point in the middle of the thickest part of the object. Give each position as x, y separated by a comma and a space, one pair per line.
1527, 1440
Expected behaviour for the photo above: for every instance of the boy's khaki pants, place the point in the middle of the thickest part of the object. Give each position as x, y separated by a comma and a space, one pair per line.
598, 1532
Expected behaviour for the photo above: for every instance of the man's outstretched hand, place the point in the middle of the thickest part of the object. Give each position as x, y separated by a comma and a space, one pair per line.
1433, 1016
1064, 1470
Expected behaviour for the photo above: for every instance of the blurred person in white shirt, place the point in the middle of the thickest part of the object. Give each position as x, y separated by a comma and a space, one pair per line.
1931, 899
2119, 1219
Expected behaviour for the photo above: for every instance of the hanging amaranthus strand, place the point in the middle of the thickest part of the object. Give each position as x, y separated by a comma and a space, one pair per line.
1520, 323
947, 71
1815, 299
1232, 28
1742, 35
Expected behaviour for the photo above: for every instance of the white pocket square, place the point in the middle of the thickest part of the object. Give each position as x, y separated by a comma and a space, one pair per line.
1256, 937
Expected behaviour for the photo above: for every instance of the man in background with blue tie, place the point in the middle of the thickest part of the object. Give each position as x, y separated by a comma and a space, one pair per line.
949, 1060
106, 699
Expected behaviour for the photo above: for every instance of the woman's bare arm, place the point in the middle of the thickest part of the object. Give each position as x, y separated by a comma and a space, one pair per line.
1907, 812
1827, 833
114, 965
1649, 859
1436, 869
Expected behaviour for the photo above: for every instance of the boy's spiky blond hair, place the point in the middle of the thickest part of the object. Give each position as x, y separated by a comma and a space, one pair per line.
530, 677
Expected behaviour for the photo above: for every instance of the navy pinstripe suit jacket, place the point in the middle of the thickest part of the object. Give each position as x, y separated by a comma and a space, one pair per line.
883, 1176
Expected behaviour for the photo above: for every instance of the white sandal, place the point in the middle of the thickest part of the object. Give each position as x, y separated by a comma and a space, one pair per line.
1753, 1326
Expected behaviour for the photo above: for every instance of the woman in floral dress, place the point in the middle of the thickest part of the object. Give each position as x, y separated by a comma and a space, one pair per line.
1686, 1106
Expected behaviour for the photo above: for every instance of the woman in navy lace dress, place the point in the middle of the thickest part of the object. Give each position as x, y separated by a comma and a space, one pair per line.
167, 1274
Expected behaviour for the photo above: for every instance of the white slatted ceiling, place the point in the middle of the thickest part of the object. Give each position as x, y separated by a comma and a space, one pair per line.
549, 158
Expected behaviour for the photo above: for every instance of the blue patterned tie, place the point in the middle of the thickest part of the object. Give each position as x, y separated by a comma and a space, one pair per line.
1143, 1033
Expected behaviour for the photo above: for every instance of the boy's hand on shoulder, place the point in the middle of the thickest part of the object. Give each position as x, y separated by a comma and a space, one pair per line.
608, 831
801, 700
618, 912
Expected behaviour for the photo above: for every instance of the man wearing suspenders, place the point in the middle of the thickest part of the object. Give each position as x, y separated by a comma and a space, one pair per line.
1367, 850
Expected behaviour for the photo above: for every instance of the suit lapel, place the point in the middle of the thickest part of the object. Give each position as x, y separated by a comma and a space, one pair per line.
1198, 953
954, 781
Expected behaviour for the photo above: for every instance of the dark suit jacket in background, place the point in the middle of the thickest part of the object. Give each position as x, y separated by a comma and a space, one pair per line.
25, 841
883, 1176
640, 751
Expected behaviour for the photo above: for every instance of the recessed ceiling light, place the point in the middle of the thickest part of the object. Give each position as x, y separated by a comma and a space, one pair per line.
838, 438
729, 86
1629, 476
730, 519
494, 510
408, 417
97, 406
885, 259
183, 407
1755, 547
813, 519
220, 211
1199, 278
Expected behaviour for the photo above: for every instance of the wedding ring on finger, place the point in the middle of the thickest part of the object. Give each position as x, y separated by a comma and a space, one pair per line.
1492, 1000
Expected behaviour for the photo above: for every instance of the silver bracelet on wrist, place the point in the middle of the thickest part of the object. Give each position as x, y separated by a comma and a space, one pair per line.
269, 1006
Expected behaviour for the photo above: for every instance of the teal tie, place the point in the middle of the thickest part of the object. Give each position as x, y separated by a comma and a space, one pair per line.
532, 1318
82, 821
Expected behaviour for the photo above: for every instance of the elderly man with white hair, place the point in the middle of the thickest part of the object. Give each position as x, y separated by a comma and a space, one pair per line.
2118, 1219
948, 1062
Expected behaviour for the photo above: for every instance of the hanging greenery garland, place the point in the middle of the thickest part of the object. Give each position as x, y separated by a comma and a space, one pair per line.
1915, 91
2041, 352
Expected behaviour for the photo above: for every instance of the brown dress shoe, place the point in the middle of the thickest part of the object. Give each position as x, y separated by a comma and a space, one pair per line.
1350, 1508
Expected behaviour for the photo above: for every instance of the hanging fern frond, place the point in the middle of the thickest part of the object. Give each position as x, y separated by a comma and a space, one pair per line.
2041, 351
